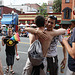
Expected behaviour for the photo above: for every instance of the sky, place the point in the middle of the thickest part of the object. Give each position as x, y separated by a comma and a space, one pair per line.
18, 2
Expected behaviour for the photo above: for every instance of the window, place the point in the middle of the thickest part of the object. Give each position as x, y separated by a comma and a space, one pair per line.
67, 1
50, 12
50, 7
67, 13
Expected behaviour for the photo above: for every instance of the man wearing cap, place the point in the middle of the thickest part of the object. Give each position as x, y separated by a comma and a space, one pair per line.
70, 47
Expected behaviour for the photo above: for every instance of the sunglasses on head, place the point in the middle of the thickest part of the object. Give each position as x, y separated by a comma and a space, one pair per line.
52, 16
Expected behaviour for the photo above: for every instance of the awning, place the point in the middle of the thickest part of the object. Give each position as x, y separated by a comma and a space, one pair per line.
8, 20
65, 22
73, 20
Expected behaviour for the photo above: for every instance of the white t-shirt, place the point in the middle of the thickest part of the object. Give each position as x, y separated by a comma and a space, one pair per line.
52, 51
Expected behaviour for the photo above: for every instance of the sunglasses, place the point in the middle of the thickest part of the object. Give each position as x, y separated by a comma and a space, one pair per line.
53, 16
50, 22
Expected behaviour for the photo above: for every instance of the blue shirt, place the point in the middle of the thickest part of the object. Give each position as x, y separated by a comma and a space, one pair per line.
71, 61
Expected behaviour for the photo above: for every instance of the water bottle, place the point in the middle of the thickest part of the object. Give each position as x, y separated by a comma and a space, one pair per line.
62, 69
48, 72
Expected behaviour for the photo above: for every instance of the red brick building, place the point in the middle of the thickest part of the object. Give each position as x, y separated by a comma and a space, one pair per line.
49, 6
67, 12
7, 10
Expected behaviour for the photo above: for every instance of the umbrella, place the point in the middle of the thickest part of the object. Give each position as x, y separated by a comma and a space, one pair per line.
33, 25
21, 25
3, 25
27, 25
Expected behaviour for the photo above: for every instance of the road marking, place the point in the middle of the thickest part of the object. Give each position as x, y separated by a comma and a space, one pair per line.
29, 43
22, 52
27, 52
24, 42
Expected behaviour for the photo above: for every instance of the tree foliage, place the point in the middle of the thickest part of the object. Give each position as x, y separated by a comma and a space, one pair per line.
43, 10
57, 6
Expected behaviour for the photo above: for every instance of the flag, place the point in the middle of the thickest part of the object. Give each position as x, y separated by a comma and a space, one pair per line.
15, 37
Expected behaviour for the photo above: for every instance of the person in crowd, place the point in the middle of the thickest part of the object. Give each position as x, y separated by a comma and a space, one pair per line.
11, 45
6, 30
45, 44
70, 46
68, 31
0, 30
1, 71
52, 56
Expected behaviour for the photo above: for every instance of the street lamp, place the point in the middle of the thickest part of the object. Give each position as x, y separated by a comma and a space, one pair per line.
12, 17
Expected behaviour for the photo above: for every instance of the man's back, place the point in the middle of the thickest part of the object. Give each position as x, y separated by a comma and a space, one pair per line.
50, 34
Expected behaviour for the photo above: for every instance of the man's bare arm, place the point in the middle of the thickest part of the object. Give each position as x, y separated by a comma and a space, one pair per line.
3, 41
31, 30
39, 33
71, 50
59, 32
65, 55
31, 38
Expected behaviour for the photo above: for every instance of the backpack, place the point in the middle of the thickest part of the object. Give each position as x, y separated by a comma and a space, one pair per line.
35, 53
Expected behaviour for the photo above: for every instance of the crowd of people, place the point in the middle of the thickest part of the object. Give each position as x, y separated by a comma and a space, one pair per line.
48, 36
21, 31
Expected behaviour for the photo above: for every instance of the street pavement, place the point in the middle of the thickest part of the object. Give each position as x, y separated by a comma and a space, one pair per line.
22, 51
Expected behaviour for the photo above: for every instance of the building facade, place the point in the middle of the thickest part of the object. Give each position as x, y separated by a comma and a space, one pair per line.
68, 7
24, 18
35, 7
49, 6
1, 2
28, 18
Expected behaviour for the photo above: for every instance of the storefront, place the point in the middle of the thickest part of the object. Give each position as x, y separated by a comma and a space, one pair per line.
10, 19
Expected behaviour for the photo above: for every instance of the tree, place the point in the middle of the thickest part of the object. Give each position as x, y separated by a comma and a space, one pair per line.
57, 6
43, 10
